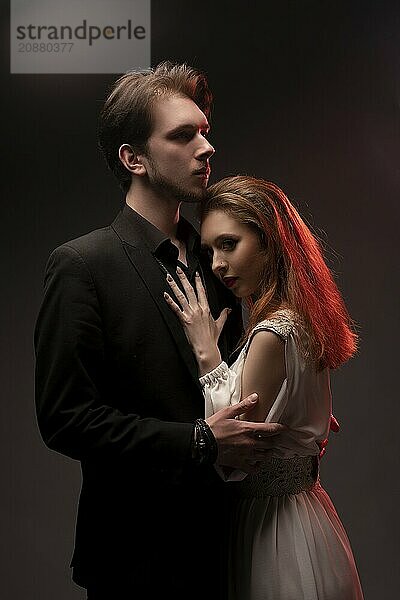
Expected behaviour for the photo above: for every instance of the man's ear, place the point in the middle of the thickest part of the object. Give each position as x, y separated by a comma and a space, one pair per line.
131, 160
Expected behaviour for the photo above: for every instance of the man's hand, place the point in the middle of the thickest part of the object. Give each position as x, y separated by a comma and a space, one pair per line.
242, 444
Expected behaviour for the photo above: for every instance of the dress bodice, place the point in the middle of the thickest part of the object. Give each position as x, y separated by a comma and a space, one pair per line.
303, 402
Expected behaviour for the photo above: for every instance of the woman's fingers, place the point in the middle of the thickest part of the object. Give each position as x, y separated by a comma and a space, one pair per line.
173, 305
220, 322
189, 291
201, 293
180, 296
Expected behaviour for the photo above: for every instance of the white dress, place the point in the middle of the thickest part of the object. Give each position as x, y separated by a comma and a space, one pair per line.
287, 541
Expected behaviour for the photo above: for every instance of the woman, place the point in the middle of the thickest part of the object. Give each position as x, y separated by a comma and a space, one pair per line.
287, 540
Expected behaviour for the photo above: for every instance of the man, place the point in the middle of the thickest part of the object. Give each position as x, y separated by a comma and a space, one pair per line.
116, 382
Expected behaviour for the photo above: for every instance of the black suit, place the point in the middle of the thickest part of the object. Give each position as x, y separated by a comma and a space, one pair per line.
117, 388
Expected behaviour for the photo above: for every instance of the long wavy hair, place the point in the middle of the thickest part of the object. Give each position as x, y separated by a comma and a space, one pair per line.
295, 274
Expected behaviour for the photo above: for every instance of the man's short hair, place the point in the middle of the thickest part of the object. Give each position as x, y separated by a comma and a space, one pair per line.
126, 117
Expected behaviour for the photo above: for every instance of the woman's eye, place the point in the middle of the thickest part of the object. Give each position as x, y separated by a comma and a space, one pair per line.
228, 244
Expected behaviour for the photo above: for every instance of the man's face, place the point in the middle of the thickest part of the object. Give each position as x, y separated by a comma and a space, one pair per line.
178, 153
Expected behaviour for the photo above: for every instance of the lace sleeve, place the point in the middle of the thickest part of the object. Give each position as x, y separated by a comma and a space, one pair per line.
220, 388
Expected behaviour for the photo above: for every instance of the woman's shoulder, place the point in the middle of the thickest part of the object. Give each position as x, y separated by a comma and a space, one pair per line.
283, 322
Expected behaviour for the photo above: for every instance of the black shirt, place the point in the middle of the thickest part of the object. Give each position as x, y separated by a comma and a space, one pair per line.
164, 251
166, 254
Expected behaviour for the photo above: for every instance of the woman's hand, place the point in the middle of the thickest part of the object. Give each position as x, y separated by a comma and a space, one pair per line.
193, 311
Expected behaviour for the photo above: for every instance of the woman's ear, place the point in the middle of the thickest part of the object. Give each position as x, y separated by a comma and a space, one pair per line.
131, 160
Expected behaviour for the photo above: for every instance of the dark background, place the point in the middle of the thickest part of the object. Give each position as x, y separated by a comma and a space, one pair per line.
307, 95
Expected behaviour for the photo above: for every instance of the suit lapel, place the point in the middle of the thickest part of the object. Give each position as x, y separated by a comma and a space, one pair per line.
153, 278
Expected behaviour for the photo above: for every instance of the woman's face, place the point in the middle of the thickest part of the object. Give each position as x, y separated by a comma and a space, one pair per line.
235, 251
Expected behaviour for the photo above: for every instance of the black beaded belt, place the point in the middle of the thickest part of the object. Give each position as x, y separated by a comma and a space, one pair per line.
279, 477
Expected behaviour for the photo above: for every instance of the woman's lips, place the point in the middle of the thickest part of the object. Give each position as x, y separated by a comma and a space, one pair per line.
230, 281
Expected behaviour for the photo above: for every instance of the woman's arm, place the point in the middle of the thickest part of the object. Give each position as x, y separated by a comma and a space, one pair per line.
264, 372
241, 443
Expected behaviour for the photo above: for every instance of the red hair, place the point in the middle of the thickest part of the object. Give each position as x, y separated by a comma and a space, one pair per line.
295, 275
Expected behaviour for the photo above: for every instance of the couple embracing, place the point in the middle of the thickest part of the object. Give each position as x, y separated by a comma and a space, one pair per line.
199, 436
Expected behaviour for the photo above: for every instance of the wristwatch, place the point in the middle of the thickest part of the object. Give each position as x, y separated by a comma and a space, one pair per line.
204, 444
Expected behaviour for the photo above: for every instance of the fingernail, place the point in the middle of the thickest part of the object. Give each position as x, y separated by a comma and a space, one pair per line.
197, 274
179, 270
166, 295
169, 278
253, 398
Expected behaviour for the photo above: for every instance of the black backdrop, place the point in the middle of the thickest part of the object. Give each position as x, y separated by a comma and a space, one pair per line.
307, 95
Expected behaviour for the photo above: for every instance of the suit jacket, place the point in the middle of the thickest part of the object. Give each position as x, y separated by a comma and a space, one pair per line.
117, 389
